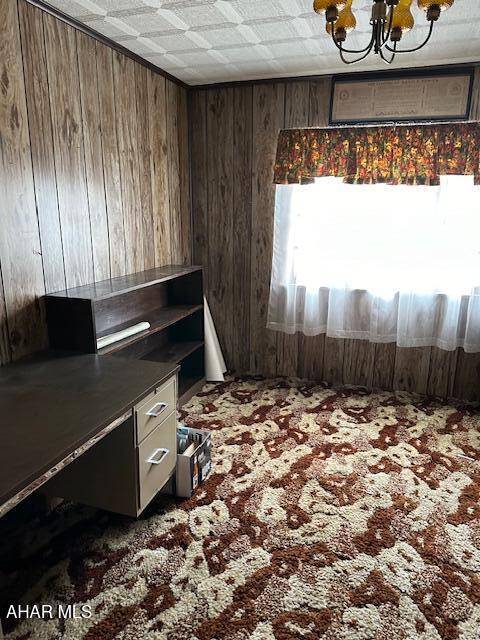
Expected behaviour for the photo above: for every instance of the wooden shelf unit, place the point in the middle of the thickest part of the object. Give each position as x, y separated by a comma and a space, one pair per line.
169, 298
165, 318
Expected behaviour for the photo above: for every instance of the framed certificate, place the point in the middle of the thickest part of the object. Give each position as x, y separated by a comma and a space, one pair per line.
408, 96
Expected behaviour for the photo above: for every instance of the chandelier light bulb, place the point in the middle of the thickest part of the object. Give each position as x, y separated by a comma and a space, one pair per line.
322, 6
403, 20
431, 4
346, 21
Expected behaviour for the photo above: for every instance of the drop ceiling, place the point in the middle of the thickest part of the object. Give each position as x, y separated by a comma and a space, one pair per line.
209, 41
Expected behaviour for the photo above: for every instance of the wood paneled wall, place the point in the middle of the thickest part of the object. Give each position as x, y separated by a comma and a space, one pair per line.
94, 174
233, 144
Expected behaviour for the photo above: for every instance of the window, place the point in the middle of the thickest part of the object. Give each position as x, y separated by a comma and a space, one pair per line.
379, 262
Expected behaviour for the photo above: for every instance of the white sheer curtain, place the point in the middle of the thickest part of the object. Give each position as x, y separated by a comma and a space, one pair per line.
384, 263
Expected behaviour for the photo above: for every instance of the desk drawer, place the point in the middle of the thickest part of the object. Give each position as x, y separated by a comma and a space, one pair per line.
155, 408
157, 456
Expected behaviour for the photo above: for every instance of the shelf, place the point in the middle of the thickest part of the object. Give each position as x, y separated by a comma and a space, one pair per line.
170, 298
125, 284
174, 352
165, 317
188, 386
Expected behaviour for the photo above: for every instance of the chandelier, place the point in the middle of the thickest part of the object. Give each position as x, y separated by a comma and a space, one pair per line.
390, 20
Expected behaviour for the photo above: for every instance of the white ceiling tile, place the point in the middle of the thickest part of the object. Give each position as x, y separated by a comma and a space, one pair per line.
108, 29
149, 23
123, 26
249, 34
206, 41
227, 36
197, 14
288, 49
112, 6
75, 8
228, 10
176, 42
173, 19
269, 30
198, 40
258, 10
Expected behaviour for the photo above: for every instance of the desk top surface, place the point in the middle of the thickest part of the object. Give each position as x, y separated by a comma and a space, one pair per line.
53, 404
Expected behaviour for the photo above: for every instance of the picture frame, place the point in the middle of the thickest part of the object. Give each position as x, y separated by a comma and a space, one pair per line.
401, 97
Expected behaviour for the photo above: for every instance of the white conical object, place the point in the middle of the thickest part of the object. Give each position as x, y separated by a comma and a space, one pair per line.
120, 335
214, 363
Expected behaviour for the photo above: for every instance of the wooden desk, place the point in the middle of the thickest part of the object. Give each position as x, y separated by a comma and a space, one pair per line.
54, 409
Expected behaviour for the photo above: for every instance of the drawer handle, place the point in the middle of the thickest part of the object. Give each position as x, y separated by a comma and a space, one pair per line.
154, 459
157, 409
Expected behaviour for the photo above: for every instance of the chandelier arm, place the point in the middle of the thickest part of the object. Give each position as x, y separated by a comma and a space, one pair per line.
389, 31
419, 46
342, 57
376, 33
340, 48
385, 59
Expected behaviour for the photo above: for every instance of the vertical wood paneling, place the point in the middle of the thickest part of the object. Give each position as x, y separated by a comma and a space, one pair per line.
384, 366
297, 104
297, 97
41, 142
20, 252
66, 183
92, 138
467, 376
359, 355
242, 226
333, 354
310, 357
441, 377
157, 116
220, 212
411, 369
125, 106
358, 359
199, 145
184, 176
144, 166
312, 348
111, 161
173, 171
69, 150
268, 118
320, 102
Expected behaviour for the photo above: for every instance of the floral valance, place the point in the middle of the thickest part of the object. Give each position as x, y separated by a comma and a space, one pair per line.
413, 154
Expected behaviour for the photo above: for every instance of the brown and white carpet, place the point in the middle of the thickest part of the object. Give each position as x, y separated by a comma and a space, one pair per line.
330, 514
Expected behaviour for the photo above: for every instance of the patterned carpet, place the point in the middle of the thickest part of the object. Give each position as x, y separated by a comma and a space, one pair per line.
330, 514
